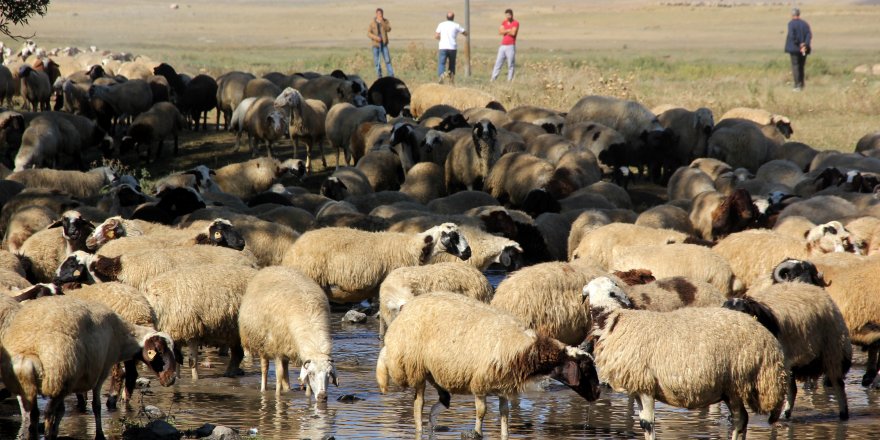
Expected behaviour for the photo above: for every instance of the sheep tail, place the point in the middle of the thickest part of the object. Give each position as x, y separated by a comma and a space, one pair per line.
27, 370
382, 372
767, 395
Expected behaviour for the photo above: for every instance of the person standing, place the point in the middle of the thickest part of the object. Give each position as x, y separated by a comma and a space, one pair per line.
797, 44
508, 30
378, 33
447, 32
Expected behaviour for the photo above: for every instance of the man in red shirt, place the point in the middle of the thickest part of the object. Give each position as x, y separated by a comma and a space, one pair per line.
508, 29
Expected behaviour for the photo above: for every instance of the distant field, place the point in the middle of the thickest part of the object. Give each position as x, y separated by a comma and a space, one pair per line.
719, 57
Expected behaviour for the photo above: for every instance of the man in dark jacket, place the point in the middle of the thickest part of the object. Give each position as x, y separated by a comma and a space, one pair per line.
797, 44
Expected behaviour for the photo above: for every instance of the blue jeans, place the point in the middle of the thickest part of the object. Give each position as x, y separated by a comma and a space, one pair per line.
446, 54
387, 56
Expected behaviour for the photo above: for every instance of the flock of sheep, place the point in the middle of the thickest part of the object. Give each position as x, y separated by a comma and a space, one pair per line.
756, 272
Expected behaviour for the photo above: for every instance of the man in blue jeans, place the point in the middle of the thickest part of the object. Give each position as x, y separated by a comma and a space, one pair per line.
378, 33
446, 32
797, 44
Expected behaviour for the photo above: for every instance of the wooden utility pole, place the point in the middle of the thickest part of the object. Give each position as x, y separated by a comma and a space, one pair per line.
467, 44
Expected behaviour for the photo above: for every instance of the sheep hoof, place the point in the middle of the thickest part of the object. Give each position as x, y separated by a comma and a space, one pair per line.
471, 435
787, 414
868, 378
111, 402
234, 373
844, 415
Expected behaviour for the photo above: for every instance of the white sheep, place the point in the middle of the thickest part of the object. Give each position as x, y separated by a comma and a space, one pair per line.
688, 358
669, 293
24, 223
666, 216
486, 250
76, 183
285, 316
247, 179
200, 305
424, 182
263, 122
462, 346
57, 346
405, 283
687, 182
596, 246
350, 264
812, 332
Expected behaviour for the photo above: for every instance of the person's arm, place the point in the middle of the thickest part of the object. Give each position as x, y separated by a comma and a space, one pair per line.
808, 38
501, 30
387, 25
463, 31
512, 32
437, 35
371, 32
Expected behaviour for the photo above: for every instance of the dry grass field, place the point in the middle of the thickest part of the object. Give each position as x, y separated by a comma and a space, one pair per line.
719, 57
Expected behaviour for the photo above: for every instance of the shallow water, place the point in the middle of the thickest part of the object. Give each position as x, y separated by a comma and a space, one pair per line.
555, 413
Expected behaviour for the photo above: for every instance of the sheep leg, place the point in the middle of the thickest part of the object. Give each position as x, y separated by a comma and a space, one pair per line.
279, 371
235, 358
504, 409
418, 405
194, 359
285, 374
30, 417
646, 415
321, 150
237, 141
54, 412
871, 366
81, 402
740, 420
269, 148
790, 396
264, 372
176, 145
96, 409
337, 156
252, 141
480, 404
840, 395
444, 400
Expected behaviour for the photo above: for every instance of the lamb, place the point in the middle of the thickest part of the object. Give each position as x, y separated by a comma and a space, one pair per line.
345, 182
688, 260
139, 268
596, 246
307, 118
246, 179
230, 92
128, 99
501, 357
263, 122
343, 119
319, 254
285, 316
427, 95
732, 358
424, 182
548, 298
812, 332
78, 184
471, 158
35, 87
59, 346
201, 305
405, 283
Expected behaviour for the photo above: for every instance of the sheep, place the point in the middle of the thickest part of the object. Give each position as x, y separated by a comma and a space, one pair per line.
325, 254
526, 130
136, 70
201, 305
128, 99
426, 340
550, 147
812, 332
345, 182
476, 114
343, 119
731, 358
692, 129
391, 93
740, 143
46, 250
548, 298
471, 159
820, 209
460, 202
230, 92
139, 268
774, 126
594, 137
262, 122
307, 118
246, 179
404, 283
199, 97
596, 246
261, 88
36, 87
549, 120
514, 178
866, 143
427, 95
285, 316
382, 168
7, 88
715, 216
666, 217
670, 293
112, 238
424, 182
780, 171
45, 142
687, 182
128, 302
668, 260
24, 223
486, 250
77, 184
332, 91
58, 346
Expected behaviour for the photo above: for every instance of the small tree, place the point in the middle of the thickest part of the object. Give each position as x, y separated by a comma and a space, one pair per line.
17, 12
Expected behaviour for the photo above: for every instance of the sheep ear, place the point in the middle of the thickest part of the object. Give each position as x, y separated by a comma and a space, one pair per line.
427, 249
106, 269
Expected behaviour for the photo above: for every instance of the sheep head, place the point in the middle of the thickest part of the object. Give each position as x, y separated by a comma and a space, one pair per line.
452, 121
278, 123
38, 291
157, 351
95, 72
578, 372
316, 375
75, 229
604, 293
293, 167
782, 124
791, 270
221, 232
444, 238
334, 188
289, 98
179, 201
830, 176
756, 309
74, 269
735, 213
830, 237
484, 135
202, 175
510, 257
111, 229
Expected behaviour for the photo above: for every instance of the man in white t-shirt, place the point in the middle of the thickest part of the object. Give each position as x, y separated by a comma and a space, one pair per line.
446, 32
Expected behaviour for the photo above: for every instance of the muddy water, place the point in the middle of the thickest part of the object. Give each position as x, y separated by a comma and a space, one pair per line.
554, 413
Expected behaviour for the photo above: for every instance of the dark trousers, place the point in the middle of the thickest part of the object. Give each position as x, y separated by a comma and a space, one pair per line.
444, 55
798, 62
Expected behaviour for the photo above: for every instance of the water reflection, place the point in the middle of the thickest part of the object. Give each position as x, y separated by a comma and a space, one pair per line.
552, 413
